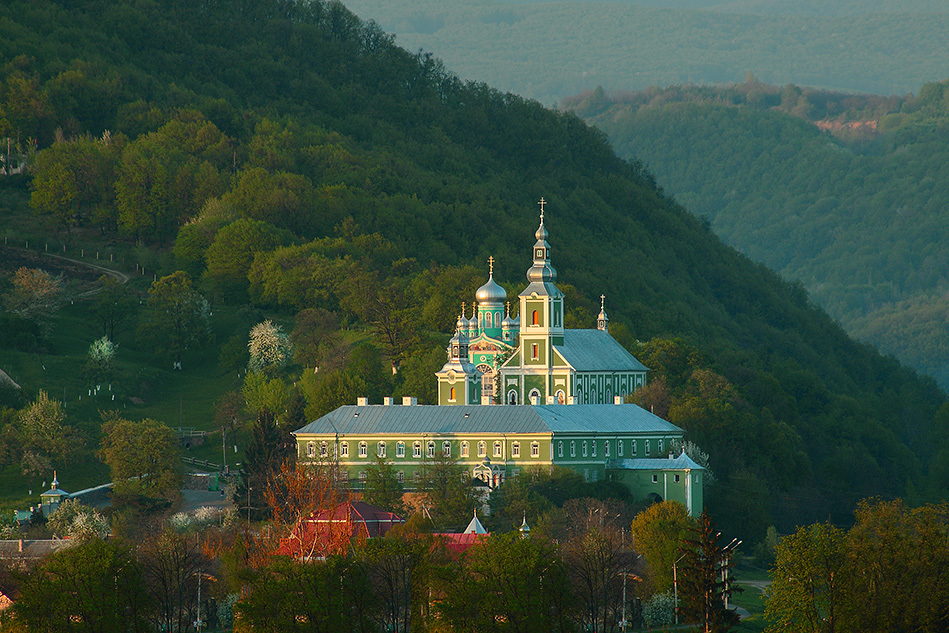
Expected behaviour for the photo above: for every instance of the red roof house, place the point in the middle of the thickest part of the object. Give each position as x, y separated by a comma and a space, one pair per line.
332, 531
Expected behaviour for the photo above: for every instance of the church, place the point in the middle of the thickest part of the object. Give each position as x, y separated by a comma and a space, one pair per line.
517, 393
534, 358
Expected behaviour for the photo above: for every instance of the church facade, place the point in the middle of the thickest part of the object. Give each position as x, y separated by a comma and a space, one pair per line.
517, 393
534, 358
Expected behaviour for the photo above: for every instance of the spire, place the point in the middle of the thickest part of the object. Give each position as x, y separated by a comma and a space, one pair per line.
541, 274
602, 321
525, 529
55, 481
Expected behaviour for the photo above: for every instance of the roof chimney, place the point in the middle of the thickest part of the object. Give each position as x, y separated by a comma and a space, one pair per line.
571, 400
617, 399
485, 400
535, 400
409, 401
551, 399
362, 401
387, 401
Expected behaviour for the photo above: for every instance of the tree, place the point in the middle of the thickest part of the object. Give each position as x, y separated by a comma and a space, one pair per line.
113, 305
705, 583
74, 520
323, 596
36, 295
383, 488
810, 581
658, 534
178, 317
398, 567
142, 457
94, 586
269, 347
597, 559
101, 363
266, 453
170, 566
232, 252
44, 438
450, 498
510, 583
326, 392
315, 336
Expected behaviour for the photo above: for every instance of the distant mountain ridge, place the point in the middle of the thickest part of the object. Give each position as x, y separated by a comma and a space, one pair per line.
846, 193
549, 50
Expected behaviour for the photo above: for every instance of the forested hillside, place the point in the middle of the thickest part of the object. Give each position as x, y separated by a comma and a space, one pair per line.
848, 194
288, 158
549, 50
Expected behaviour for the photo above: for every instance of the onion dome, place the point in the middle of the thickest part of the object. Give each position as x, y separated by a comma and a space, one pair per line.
491, 292
509, 323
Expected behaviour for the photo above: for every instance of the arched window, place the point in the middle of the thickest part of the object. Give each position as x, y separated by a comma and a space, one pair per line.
660, 445
464, 449
516, 449
512, 397
497, 449
344, 449
323, 451
431, 449
584, 448
489, 320
446, 448
363, 450
482, 449
535, 351
400, 449
560, 449
579, 397
647, 446
573, 448
535, 318
451, 395
619, 447
606, 448
535, 449
310, 449
535, 393
417, 449
561, 397
381, 449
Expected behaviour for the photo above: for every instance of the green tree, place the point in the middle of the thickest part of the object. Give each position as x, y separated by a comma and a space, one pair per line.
450, 498
45, 439
95, 586
398, 568
177, 316
811, 581
142, 457
170, 564
510, 583
325, 596
267, 451
658, 534
705, 583
113, 305
315, 338
232, 252
383, 489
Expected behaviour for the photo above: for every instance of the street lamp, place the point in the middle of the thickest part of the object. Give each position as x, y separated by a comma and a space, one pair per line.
728, 549
675, 587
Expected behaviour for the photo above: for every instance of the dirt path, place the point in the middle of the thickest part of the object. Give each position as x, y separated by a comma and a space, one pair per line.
85, 272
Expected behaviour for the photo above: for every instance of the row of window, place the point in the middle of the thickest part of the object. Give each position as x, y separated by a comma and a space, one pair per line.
590, 447
311, 449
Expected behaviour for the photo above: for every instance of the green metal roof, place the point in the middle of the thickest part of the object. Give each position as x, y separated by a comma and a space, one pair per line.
488, 419
682, 462
596, 350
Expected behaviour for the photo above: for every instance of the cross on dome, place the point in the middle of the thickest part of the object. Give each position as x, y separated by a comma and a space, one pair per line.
542, 203
602, 297
491, 265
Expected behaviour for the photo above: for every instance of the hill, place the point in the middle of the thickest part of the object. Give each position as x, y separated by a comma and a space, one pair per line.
844, 193
288, 160
549, 50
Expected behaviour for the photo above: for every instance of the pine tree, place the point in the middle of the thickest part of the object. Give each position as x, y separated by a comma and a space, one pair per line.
265, 455
706, 583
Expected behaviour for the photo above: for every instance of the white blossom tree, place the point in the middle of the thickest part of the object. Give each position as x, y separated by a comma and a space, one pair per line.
269, 347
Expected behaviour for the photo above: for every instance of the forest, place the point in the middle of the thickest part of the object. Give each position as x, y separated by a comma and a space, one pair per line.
844, 193
550, 50
285, 163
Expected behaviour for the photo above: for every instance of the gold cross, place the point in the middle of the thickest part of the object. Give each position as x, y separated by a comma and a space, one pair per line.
602, 297
491, 263
542, 203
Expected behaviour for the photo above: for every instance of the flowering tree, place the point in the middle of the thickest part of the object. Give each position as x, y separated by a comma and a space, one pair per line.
269, 347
